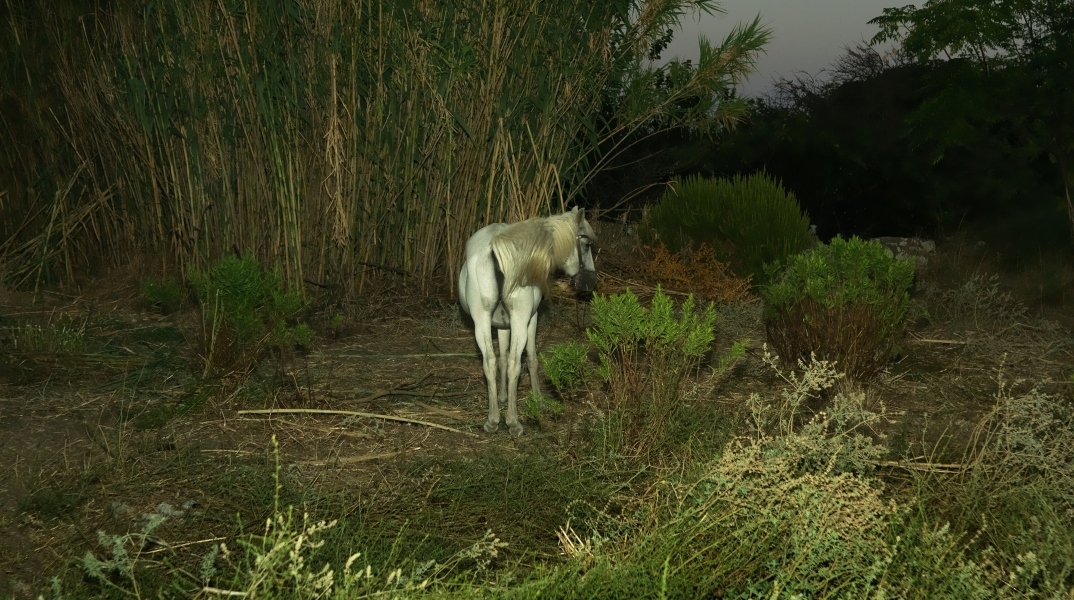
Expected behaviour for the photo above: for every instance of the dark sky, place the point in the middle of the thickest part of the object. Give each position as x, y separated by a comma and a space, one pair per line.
807, 35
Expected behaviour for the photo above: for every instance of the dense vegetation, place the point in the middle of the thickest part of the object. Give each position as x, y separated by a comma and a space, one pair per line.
268, 159
336, 140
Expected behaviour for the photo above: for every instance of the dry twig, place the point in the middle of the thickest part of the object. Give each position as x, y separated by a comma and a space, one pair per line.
320, 411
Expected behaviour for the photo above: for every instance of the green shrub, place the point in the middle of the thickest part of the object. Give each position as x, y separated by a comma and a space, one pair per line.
537, 407
749, 221
845, 302
644, 357
567, 366
166, 296
245, 310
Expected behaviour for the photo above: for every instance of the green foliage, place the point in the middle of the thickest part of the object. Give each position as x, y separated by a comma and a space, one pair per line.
845, 301
749, 221
244, 311
166, 295
567, 367
645, 355
1007, 67
538, 406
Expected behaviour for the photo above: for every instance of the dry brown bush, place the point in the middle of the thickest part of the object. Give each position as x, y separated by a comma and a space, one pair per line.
696, 271
852, 336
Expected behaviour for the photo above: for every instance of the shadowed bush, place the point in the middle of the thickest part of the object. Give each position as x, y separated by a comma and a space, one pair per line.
844, 302
749, 221
245, 310
165, 295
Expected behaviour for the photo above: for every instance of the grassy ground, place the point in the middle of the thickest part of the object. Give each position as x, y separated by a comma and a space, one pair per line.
112, 444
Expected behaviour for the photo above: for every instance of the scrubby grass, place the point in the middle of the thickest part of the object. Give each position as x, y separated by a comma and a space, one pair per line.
771, 483
64, 336
802, 511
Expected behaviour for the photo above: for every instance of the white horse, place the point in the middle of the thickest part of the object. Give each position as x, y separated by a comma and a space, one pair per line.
500, 286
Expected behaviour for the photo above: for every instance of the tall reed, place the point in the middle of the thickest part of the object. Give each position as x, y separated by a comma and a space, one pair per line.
338, 140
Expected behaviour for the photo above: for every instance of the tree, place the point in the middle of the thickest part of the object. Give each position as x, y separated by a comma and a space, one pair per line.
1009, 69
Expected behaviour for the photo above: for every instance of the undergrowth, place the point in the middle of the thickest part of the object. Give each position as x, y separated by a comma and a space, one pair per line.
696, 271
794, 507
245, 310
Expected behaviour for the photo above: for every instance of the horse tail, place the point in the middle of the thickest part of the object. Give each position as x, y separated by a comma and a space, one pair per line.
524, 259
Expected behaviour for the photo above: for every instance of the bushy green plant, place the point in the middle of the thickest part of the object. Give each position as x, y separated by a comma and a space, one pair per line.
644, 357
165, 295
845, 302
245, 310
539, 406
567, 367
747, 220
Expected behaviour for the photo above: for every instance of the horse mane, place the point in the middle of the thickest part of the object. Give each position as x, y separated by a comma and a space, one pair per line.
529, 251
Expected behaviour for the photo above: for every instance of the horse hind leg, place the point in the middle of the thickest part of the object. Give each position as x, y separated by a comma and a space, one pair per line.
531, 356
488, 362
504, 338
514, 369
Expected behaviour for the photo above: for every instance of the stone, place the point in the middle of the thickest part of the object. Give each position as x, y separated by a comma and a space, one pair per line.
903, 248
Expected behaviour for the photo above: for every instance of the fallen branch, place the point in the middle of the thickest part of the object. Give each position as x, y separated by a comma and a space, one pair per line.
425, 355
320, 411
932, 341
640, 286
926, 467
383, 393
348, 460
439, 411
220, 592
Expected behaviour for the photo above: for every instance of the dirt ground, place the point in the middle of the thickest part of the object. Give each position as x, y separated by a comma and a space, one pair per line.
99, 439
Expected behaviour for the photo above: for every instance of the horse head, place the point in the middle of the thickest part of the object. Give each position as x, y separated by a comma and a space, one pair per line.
579, 265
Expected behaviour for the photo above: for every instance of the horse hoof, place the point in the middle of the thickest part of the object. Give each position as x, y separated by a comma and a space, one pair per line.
491, 427
516, 429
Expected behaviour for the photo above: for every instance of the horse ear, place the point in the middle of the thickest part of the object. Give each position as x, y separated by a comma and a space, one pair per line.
580, 214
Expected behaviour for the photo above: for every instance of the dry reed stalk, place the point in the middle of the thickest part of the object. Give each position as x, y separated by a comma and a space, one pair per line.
339, 135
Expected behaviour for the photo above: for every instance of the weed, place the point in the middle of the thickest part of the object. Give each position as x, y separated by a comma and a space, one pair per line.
567, 367
124, 553
539, 406
245, 310
166, 296
833, 440
978, 302
52, 502
64, 336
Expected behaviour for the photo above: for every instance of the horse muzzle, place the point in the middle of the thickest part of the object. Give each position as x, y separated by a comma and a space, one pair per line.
585, 280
